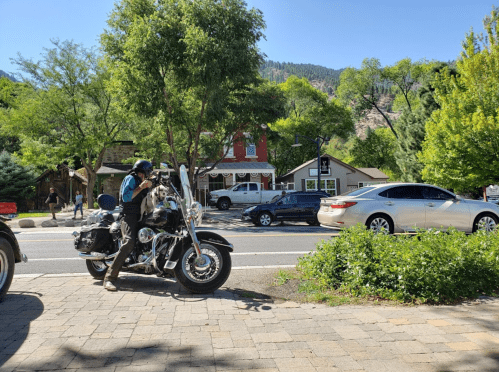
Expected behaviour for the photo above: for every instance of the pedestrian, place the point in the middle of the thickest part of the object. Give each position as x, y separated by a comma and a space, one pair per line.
78, 204
133, 190
52, 201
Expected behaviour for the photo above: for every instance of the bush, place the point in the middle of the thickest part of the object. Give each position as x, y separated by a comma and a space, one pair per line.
429, 266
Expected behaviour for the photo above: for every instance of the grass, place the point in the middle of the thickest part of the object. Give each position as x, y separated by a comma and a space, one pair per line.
28, 215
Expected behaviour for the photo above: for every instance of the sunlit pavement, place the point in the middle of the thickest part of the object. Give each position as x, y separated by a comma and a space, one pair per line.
69, 322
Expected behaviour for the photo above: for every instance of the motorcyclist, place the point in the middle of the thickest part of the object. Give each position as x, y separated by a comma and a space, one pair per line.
133, 190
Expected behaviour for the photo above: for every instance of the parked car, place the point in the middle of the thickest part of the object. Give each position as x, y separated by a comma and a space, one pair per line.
10, 254
403, 207
242, 193
297, 206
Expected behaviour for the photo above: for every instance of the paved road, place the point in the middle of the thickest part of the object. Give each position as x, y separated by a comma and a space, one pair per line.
51, 251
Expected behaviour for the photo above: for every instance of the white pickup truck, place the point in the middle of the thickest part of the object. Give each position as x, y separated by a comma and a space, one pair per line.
242, 193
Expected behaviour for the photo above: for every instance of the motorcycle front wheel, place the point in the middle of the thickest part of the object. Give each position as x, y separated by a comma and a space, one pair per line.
97, 269
204, 277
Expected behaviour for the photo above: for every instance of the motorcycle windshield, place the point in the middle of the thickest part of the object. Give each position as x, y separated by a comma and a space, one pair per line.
186, 187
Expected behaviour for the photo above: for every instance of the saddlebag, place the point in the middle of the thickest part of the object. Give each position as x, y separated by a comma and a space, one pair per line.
93, 238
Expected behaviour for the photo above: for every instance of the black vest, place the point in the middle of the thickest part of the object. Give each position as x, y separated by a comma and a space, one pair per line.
133, 206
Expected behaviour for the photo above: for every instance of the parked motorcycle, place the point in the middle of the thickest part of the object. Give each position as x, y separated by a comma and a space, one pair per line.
167, 242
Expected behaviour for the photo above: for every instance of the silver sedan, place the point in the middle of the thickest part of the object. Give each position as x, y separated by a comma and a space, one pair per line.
404, 207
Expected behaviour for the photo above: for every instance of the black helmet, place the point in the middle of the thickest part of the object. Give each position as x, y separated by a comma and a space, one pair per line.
143, 166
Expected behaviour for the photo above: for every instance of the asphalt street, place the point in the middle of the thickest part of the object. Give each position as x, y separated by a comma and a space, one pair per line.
52, 251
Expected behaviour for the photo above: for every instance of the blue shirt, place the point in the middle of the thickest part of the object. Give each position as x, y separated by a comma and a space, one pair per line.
79, 199
127, 187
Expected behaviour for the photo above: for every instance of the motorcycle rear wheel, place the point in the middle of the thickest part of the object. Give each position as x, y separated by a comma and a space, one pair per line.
97, 269
198, 279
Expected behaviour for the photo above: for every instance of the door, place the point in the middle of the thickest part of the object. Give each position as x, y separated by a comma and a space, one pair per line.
239, 193
287, 208
443, 210
406, 205
253, 193
307, 205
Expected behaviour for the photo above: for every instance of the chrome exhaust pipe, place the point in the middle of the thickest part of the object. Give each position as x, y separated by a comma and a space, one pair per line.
96, 256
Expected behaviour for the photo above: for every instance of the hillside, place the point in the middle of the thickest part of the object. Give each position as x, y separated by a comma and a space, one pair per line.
327, 80
3, 73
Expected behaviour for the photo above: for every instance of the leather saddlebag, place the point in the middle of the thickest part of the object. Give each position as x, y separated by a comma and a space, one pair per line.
93, 238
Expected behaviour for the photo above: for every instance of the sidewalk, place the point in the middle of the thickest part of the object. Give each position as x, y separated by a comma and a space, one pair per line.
71, 323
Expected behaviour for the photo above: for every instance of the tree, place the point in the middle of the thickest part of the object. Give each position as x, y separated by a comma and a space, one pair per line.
404, 75
462, 138
362, 89
67, 112
17, 183
376, 151
308, 113
9, 90
411, 126
189, 67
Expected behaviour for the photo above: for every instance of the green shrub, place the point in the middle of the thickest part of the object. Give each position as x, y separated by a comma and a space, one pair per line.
429, 266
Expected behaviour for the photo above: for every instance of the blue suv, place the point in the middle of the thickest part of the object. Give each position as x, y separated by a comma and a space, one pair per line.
295, 206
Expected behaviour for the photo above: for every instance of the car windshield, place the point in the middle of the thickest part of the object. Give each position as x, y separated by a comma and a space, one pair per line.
357, 192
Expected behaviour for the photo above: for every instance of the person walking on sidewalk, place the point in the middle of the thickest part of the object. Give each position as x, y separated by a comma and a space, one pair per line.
133, 190
52, 200
78, 204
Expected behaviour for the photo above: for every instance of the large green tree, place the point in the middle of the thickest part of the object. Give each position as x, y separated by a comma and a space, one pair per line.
362, 88
411, 126
308, 113
67, 112
189, 67
376, 151
17, 183
460, 150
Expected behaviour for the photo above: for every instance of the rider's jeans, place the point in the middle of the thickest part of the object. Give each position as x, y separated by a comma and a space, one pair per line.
129, 233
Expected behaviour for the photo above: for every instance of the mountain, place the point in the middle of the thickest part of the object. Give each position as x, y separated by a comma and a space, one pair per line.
322, 78
3, 73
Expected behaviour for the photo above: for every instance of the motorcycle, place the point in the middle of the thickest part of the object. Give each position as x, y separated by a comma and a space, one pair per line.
167, 244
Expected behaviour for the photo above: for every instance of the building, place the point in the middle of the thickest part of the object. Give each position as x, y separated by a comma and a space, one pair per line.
245, 161
64, 184
339, 179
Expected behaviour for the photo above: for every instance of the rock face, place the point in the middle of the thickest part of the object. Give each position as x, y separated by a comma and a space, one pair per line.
26, 222
50, 223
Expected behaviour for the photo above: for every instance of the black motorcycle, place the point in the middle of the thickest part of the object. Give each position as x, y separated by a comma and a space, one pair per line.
167, 243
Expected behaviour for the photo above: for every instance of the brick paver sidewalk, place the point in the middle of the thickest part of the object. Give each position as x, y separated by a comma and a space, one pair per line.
71, 323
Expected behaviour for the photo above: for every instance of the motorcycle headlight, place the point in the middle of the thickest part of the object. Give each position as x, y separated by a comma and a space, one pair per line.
146, 235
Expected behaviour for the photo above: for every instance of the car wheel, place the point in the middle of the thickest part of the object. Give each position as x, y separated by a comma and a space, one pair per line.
485, 222
264, 219
7, 262
223, 204
380, 223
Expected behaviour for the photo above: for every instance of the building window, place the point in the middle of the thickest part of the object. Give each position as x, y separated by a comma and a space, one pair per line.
216, 183
245, 178
250, 149
230, 151
328, 186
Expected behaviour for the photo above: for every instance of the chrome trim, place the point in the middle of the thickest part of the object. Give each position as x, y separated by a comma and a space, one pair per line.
96, 256
24, 258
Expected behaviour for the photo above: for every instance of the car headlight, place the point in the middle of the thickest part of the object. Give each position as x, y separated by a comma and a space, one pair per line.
146, 235
214, 195
250, 209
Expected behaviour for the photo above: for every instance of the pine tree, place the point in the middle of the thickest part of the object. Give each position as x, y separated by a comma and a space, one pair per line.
17, 183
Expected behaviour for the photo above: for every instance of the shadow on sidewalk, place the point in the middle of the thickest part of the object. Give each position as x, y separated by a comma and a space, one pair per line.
17, 310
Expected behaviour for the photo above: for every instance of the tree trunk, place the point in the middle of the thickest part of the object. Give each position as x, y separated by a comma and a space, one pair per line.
484, 189
91, 177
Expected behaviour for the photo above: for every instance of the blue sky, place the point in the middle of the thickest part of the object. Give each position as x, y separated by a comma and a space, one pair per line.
333, 34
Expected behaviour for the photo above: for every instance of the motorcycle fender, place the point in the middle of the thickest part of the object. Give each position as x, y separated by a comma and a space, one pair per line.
203, 236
